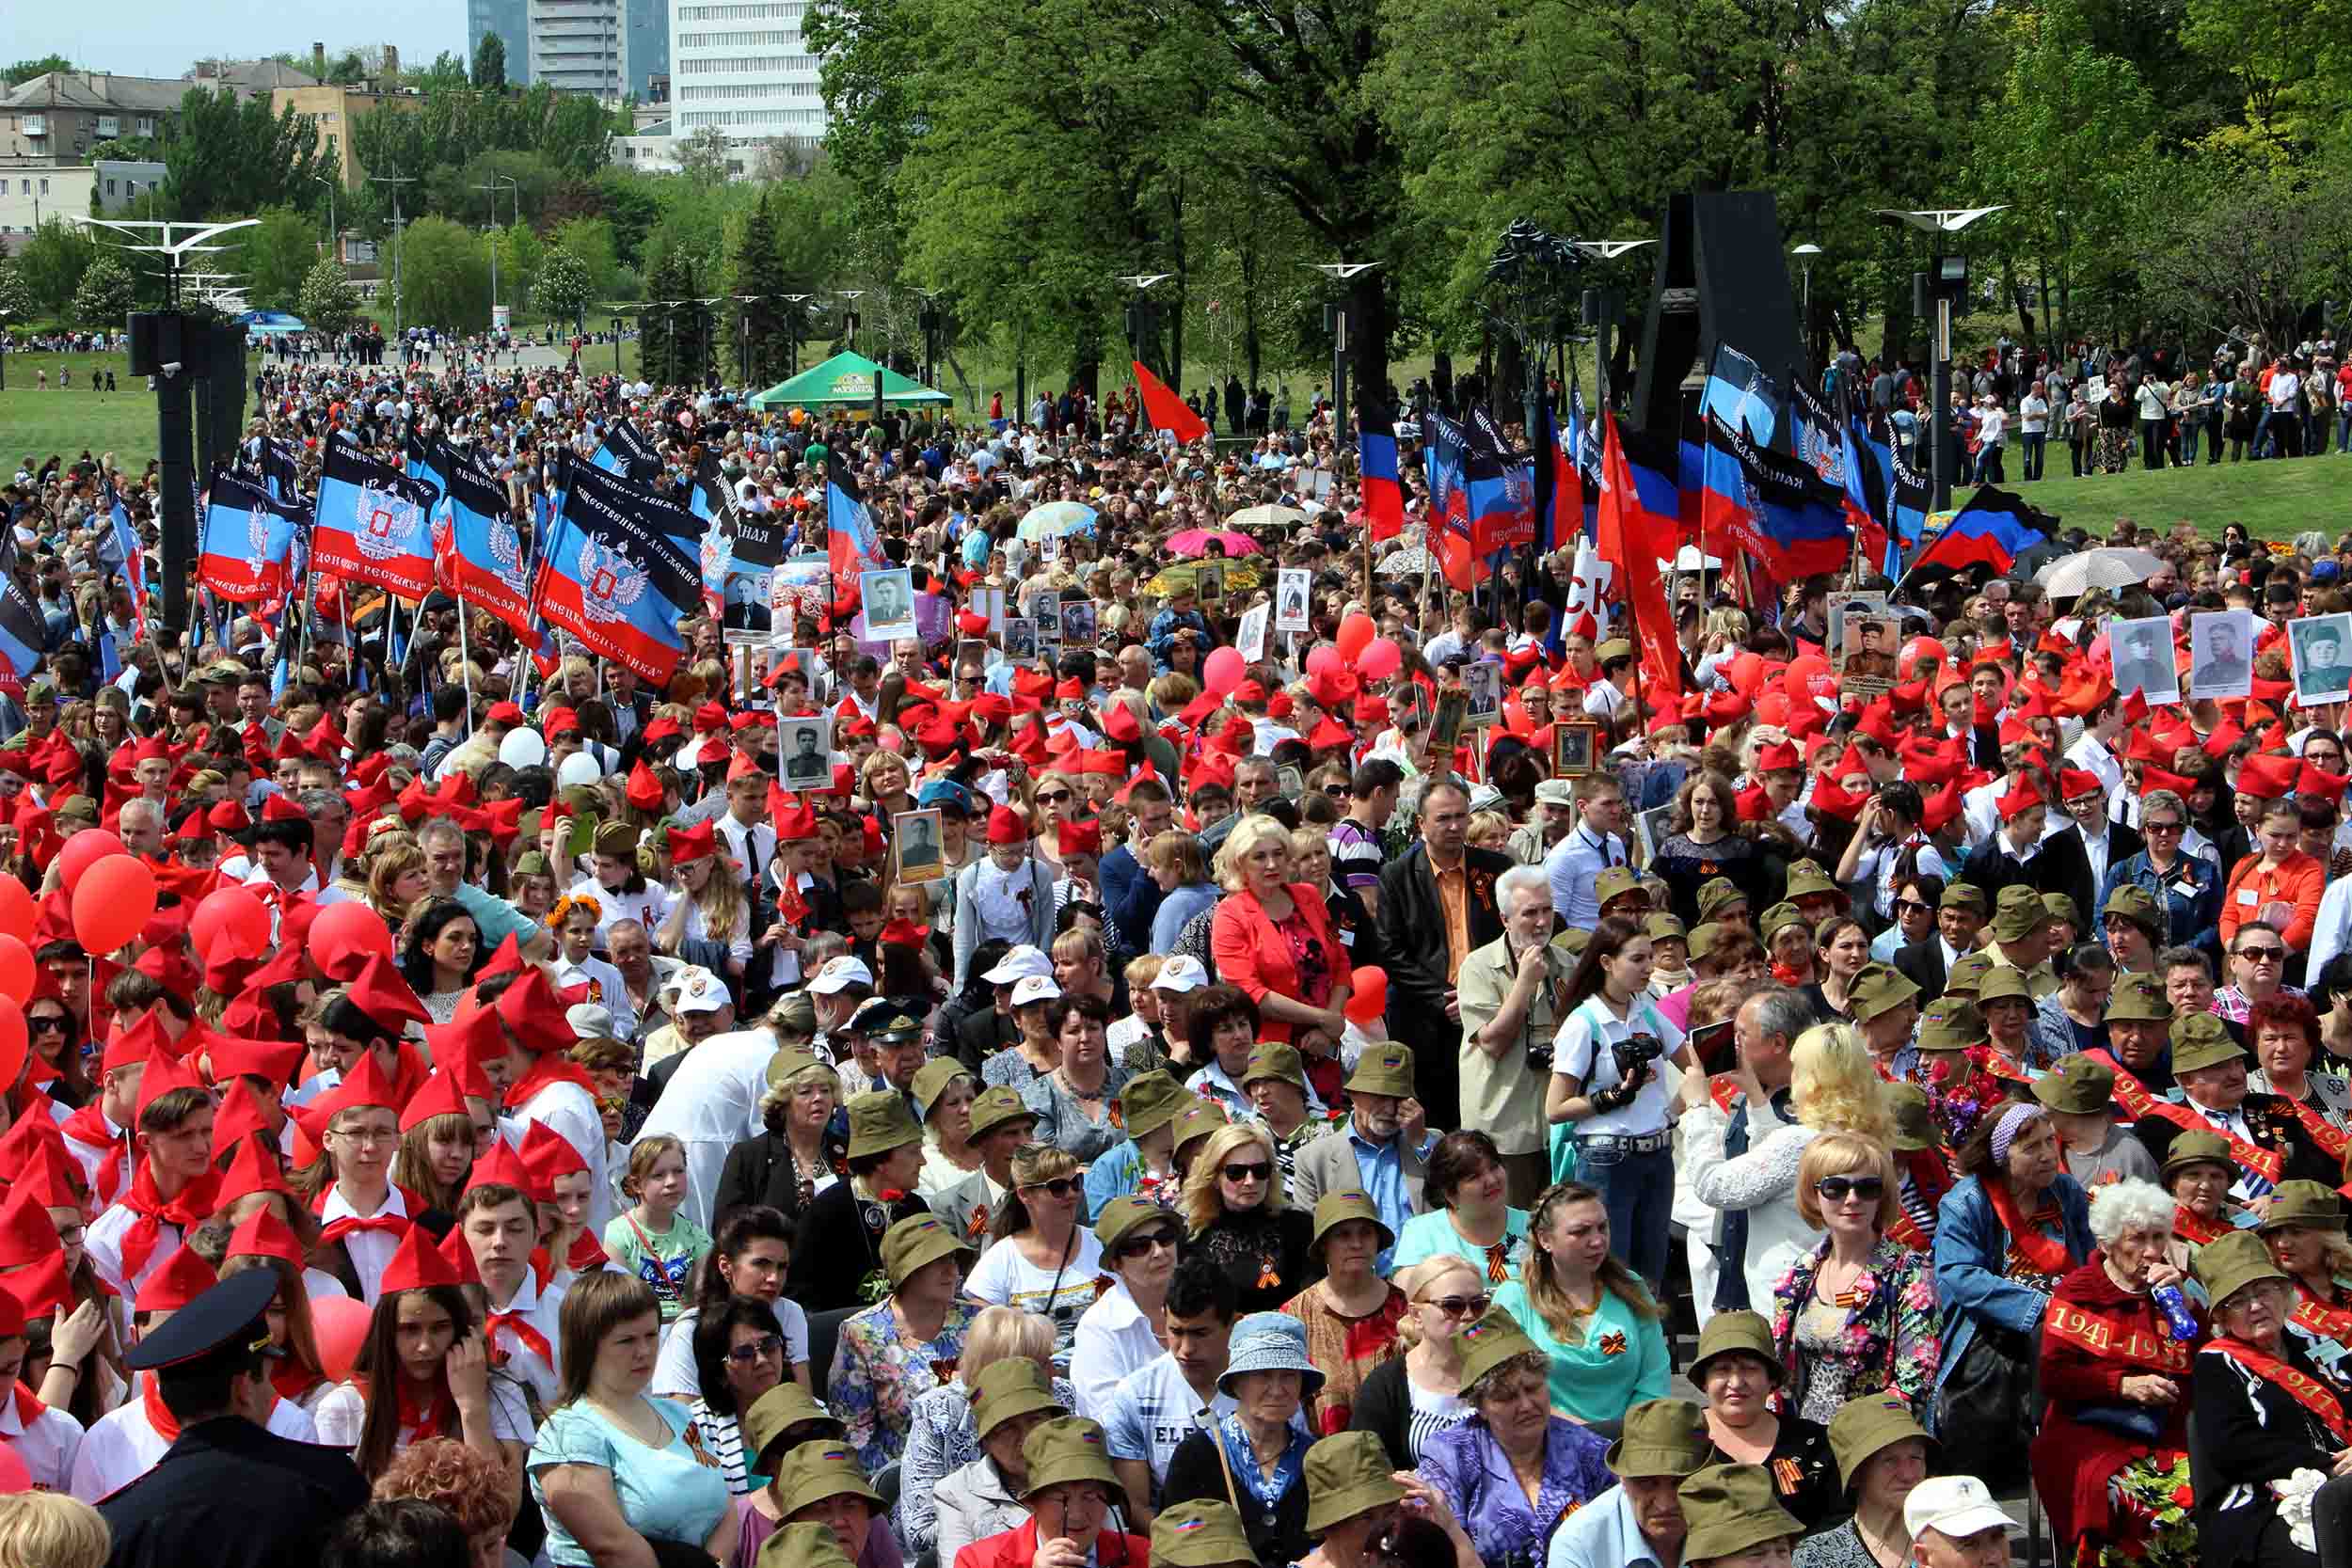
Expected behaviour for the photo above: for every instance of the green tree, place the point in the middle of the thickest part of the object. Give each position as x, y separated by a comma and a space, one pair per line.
489, 63
52, 265
104, 297
590, 240
674, 347
562, 290
703, 156
234, 159
16, 296
24, 70
522, 255
446, 73
329, 303
277, 256
444, 276
754, 324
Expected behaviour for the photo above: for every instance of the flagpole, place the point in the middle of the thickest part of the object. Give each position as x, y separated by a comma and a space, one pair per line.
465, 667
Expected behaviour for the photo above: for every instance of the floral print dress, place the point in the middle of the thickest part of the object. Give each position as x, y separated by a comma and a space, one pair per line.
877, 1374
1886, 1331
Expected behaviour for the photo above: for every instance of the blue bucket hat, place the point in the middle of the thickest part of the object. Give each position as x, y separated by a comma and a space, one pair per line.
1270, 1342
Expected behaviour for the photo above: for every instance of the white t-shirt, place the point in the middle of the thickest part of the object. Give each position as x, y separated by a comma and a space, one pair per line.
343, 1412
1579, 1052
1150, 1412
675, 1375
1005, 1278
2033, 416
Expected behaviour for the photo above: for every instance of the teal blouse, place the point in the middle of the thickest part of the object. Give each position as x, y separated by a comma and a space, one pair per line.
1621, 1362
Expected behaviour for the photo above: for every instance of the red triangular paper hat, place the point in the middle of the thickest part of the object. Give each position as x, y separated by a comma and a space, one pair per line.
252, 1169
383, 993
165, 1071
532, 1012
416, 1266
440, 1097
548, 1155
503, 1167
183, 1276
27, 1234
264, 1235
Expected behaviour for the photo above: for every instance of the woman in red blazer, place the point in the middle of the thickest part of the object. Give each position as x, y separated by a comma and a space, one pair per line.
1274, 940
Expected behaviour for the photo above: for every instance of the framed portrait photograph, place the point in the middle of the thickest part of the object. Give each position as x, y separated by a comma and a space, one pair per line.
1020, 637
1290, 598
1292, 782
915, 847
1078, 627
1209, 580
2321, 653
988, 599
805, 752
747, 611
972, 651
1483, 682
2221, 654
889, 599
1845, 612
1045, 610
1452, 716
1250, 637
2143, 660
1575, 746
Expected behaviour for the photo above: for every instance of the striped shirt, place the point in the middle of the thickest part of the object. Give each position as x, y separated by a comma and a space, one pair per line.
1356, 856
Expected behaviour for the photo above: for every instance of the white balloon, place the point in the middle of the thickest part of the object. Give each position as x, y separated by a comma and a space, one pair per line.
578, 768
523, 747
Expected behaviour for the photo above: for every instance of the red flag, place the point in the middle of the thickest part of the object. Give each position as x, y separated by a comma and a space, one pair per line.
1166, 409
1633, 540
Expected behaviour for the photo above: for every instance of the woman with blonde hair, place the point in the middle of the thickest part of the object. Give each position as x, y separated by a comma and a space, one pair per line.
396, 881
709, 921
1233, 1204
51, 1529
942, 1435
1586, 1309
1273, 939
1832, 1085
1047, 1261
1858, 1315
1408, 1399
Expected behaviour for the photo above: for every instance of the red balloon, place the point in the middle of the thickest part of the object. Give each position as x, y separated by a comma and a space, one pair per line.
233, 912
15, 1041
1370, 996
1223, 671
84, 850
1357, 630
18, 912
1381, 657
115, 900
16, 969
1325, 657
343, 935
339, 1324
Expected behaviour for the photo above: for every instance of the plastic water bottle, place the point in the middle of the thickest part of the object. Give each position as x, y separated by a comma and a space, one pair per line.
2175, 1306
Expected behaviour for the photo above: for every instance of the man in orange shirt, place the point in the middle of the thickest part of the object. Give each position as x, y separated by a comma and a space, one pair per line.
2280, 873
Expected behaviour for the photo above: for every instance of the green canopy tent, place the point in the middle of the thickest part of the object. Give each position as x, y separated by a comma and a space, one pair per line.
846, 379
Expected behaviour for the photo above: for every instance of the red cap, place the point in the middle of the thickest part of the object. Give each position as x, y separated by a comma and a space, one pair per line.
534, 1015
2019, 801
165, 1071
548, 1155
364, 1084
416, 1266
279, 809
383, 993
274, 1061
2327, 785
699, 842
2266, 776
644, 790
27, 1235
228, 817
239, 1115
1078, 839
2073, 783
184, 1277
264, 1235
504, 713
503, 1167
1779, 756
439, 1097
1005, 826
252, 1169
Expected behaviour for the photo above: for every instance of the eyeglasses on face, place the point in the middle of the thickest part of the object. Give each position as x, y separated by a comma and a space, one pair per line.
2263, 953
1237, 1172
756, 1351
1460, 1307
40, 1024
2160, 827
1047, 797
368, 1137
1837, 1189
1910, 906
1060, 1186
1136, 1246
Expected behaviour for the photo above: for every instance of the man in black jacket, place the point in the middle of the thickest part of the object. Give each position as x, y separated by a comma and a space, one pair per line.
1436, 907
228, 1493
1957, 919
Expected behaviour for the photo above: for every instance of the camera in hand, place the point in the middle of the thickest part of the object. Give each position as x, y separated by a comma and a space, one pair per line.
1634, 1053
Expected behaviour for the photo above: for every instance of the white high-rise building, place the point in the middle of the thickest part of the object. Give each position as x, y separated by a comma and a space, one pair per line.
580, 46
743, 66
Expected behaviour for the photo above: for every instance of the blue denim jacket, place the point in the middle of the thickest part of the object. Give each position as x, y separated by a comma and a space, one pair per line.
2193, 919
1970, 1245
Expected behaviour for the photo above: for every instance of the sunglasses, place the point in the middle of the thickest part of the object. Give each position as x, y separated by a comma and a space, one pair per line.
45, 1023
1837, 1189
1136, 1246
1910, 906
1061, 1186
2160, 827
1260, 1171
1047, 797
757, 1350
1460, 1307
2264, 955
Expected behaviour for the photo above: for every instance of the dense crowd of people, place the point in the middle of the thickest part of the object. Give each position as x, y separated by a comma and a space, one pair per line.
1149, 1097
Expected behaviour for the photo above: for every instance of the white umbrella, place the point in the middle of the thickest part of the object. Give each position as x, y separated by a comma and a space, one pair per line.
2110, 566
1404, 563
1265, 517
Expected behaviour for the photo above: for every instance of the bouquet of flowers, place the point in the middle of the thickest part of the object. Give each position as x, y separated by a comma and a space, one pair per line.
2294, 1496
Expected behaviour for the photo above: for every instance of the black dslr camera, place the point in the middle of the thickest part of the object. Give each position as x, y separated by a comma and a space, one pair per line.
1634, 1053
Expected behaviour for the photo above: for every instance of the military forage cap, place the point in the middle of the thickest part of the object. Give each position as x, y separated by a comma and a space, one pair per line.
2138, 998
2077, 1086
2201, 1040
1877, 988
2018, 913
1967, 972
880, 1122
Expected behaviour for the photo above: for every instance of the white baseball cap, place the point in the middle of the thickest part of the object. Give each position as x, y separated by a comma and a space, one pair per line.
1956, 1506
839, 974
1179, 975
698, 991
1022, 963
1033, 988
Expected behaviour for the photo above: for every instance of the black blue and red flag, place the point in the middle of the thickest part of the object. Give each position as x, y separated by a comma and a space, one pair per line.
374, 523
618, 573
629, 455
1764, 504
476, 546
1993, 529
1375, 460
246, 547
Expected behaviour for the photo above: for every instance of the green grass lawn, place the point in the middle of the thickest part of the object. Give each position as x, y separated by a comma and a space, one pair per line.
38, 424
2275, 499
